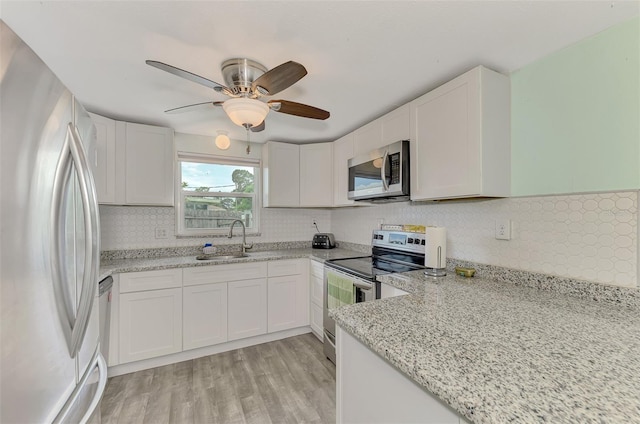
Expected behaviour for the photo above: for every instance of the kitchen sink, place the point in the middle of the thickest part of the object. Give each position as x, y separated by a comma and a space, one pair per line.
221, 257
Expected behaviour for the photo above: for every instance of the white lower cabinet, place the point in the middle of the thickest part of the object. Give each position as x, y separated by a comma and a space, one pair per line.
316, 320
364, 378
387, 290
204, 315
316, 280
150, 324
247, 308
288, 294
288, 299
162, 312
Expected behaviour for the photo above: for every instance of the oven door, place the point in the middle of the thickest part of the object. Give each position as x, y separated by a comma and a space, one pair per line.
339, 289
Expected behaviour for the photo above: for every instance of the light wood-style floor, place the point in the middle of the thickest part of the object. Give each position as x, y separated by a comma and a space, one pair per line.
286, 381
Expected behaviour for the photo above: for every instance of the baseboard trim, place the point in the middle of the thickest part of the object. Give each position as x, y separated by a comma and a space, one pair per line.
203, 351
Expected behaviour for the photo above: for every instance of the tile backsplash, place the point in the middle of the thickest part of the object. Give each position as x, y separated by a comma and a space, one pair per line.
591, 237
133, 227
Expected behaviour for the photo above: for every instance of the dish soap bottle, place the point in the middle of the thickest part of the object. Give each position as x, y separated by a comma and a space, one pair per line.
208, 249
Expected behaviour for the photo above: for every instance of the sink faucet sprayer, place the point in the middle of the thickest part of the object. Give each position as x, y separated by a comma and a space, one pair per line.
245, 246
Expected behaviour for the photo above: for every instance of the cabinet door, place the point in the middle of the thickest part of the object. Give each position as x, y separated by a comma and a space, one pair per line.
396, 125
342, 152
316, 279
281, 174
367, 138
150, 324
316, 175
247, 308
149, 165
205, 315
288, 302
105, 174
445, 141
316, 320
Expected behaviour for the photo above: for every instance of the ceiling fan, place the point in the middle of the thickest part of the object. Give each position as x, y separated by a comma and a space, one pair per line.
246, 82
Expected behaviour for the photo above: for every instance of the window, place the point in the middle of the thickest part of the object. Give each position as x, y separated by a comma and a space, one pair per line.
214, 191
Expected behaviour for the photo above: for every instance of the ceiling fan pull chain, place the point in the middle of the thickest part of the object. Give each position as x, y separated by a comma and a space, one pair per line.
248, 140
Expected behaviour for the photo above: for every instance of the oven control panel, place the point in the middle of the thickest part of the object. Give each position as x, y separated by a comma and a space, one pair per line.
399, 240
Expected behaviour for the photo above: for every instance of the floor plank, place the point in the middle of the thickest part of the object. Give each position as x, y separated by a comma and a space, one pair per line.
286, 381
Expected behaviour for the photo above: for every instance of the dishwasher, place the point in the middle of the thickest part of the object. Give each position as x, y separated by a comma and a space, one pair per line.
104, 289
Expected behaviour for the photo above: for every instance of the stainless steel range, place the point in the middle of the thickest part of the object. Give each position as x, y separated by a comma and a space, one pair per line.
353, 280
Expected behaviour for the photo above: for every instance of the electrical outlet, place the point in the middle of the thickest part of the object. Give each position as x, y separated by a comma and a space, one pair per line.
503, 229
314, 222
161, 233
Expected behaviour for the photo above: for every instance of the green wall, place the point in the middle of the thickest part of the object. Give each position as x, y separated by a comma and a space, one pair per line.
575, 124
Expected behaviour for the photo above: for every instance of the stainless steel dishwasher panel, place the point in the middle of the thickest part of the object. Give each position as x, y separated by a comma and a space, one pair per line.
105, 287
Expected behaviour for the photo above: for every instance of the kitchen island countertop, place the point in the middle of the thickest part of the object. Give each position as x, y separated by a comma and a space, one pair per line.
501, 352
149, 264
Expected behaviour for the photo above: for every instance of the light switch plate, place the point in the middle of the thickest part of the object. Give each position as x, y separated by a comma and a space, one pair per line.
503, 229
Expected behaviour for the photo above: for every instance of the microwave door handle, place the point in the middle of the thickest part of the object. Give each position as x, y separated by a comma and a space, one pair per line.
383, 170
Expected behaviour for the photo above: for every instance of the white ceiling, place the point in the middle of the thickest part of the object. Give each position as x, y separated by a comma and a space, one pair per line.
364, 58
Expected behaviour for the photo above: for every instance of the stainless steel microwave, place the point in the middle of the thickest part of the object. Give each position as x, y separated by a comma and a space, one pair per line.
381, 175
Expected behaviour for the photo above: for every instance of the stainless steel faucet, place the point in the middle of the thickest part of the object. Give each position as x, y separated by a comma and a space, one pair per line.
245, 246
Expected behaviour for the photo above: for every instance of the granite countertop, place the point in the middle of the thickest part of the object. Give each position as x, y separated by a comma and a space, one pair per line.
108, 267
501, 352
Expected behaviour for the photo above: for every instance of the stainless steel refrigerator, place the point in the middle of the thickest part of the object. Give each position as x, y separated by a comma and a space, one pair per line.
51, 369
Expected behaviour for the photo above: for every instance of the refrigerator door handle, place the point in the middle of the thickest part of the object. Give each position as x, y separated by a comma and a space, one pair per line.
74, 324
90, 215
69, 412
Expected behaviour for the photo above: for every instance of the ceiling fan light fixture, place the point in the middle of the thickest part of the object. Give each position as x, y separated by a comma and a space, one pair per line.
222, 140
246, 112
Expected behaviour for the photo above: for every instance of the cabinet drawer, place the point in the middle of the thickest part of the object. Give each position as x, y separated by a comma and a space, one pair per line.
287, 267
150, 280
224, 273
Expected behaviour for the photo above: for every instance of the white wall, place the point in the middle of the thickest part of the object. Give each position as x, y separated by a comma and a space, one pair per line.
590, 237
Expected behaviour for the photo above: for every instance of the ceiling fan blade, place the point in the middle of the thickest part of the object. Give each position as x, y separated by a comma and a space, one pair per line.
188, 75
189, 108
277, 79
258, 128
298, 109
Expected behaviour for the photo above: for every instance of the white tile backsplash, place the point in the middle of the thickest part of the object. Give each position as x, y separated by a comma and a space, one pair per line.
588, 236
133, 227
591, 237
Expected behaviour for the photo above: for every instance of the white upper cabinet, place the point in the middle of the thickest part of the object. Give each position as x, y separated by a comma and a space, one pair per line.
280, 174
460, 138
367, 138
316, 176
148, 165
106, 150
396, 125
389, 128
342, 152
135, 163
297, 176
